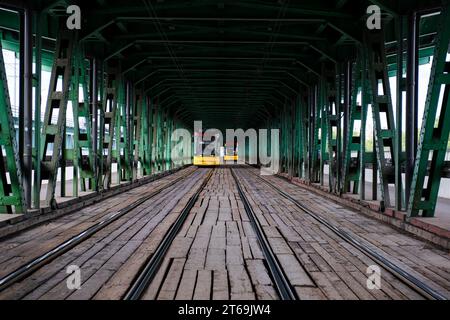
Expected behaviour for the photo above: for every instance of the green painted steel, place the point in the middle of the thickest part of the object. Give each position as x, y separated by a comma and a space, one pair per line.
352, 157
53, 131
334, 121
137, 132
252, 65
11, 192
110, 103
145, 145
304, 138
83, 156
323, 105
365, 98
38, 56
316, 142
435, 129
381, 109
124, 170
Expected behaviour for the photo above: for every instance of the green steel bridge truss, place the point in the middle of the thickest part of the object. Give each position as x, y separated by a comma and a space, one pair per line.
318, 82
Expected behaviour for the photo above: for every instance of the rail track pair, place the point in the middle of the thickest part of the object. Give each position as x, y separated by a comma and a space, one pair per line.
150, 268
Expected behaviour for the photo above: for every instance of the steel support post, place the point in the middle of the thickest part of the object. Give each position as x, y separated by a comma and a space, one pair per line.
399, 117
26, 102
54, 126
11, 190
128, 128
323, 129
346, 116
100, 125
21, 90
138, 116
94, 115
37, 112
411, 98
311, 140
382, 108
435, 128
316, 142
374, 168
151, 149
351, 167
364, 107
339, 157
74, 92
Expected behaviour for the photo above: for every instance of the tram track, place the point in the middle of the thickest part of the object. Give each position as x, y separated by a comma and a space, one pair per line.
151, 267
282, 284
409, 279
38, 262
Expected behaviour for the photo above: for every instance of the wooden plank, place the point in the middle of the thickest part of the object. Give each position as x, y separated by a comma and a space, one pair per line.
187, 284
220, 285
203, 286
170, 284
240, 283
294, 271
309, 293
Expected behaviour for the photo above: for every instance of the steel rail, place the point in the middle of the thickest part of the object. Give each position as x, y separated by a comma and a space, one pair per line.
144, 277
414, 283
282, 283
33, 265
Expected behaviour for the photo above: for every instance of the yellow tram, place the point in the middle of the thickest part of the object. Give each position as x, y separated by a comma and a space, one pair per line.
206, 156
231, 151
201, 156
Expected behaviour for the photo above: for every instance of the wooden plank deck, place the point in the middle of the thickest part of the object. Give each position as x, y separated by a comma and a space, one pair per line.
322, 251
101, 256
216, 255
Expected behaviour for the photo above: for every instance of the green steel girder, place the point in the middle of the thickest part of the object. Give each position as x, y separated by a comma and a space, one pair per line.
334, 127
316, 122
53, 133
323, 105
435, 129
109, 126
83, 156
352, 155
381, 107
11, 192
137, 131
145, 143
243, 63
122, 136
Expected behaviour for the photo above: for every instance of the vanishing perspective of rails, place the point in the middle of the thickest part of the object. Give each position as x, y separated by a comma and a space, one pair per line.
250, 155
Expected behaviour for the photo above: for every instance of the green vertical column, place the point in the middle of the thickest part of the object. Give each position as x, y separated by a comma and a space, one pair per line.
143, 146
434, 136
120, 138
11, 192
53, 132
159, 137
129, 128
323, 129
169, 144
333, 120
351, 163
137, 133
37, 112
365, 98
316, 147
74, 93
399, 194
150, 147
381, 107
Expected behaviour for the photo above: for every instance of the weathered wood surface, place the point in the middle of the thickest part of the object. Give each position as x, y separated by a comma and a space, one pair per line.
338, 268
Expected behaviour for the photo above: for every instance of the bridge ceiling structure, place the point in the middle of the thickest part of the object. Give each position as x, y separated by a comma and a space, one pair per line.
228, 63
